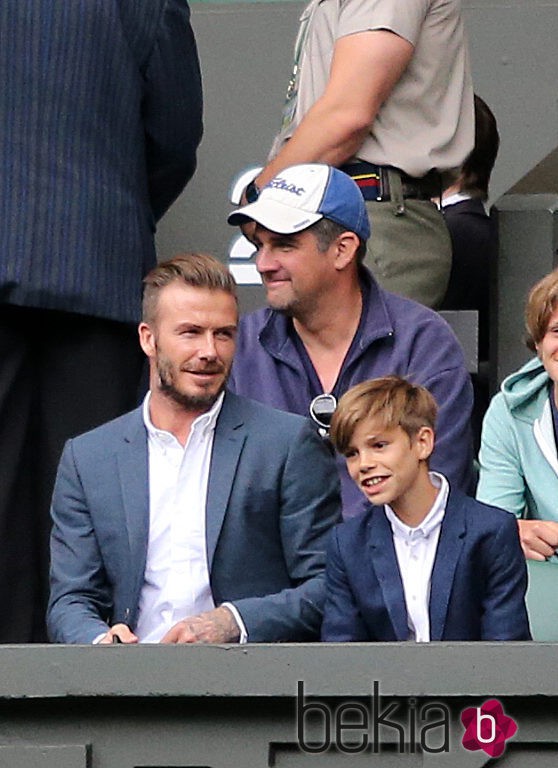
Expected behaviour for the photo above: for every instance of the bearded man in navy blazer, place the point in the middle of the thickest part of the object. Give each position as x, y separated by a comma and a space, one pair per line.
201, 516
425, 562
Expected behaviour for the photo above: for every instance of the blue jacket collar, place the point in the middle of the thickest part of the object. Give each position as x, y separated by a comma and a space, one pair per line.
276, 339
132, 461
230, 435
384, 563
449, 549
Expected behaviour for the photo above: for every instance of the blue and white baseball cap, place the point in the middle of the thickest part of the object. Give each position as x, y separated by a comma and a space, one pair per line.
301, 195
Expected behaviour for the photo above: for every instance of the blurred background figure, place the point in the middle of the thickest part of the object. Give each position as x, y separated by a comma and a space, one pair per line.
473, 235
474, 243
100, 112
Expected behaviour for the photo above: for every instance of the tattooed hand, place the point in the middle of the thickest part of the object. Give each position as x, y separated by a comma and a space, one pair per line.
216, 626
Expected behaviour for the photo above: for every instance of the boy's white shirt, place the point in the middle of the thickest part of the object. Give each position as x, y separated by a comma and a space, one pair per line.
415, 549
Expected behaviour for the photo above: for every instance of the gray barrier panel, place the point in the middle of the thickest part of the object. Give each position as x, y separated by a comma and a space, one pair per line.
229, 706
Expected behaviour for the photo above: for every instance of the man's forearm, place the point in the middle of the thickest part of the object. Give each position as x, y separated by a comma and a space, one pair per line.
364, 70
324, 136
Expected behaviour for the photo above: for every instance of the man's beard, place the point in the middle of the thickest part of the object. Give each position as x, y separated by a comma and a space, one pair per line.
201, 402
292, 306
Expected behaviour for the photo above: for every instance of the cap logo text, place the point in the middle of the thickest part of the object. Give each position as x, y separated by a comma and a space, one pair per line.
279, 183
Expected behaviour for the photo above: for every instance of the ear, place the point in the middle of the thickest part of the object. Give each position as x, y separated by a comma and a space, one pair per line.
347, 244
424, 440
147, 339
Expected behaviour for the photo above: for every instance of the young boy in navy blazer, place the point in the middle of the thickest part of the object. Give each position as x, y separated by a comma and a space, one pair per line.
424, 562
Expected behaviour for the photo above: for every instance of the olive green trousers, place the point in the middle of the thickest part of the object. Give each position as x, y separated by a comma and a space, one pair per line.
409, 251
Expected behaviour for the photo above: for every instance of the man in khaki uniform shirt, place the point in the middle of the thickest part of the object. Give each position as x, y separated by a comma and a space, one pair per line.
382, 89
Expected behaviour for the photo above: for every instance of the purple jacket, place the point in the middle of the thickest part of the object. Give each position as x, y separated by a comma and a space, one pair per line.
395, 336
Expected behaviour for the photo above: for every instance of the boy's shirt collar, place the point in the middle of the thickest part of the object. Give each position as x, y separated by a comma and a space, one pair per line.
432, 520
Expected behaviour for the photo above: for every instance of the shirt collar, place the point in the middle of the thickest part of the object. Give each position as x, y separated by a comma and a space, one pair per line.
457, 197
461, 197
204, 423
433, 519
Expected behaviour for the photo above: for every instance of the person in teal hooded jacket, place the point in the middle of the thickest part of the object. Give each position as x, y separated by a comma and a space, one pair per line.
518, 455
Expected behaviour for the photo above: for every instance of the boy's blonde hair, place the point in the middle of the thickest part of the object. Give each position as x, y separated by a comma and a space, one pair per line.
392, 399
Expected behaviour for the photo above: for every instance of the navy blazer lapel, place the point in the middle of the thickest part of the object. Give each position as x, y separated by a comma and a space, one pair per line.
132, 459
229, 438
450, 544
384, 562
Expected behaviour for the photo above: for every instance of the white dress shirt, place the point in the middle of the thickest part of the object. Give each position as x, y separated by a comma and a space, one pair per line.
415, 549
176, 580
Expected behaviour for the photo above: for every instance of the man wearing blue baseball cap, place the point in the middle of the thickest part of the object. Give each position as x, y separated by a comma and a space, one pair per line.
329, 325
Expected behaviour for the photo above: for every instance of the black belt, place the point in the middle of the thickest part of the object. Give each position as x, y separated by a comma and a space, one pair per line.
373, 181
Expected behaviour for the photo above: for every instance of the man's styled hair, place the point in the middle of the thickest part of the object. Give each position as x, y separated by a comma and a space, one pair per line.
199, 270
477, 167
326, 231
541, 303
393, 400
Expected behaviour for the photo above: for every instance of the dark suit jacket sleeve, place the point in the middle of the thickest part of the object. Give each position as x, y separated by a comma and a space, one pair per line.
310, 506
79, 595
505, 615
342, 618
172, 107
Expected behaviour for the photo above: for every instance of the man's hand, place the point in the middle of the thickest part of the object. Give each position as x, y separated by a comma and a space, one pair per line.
216, 626
121, 631
539, 538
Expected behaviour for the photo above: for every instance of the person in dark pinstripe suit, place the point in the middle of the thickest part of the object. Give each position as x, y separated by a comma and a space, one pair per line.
100, 119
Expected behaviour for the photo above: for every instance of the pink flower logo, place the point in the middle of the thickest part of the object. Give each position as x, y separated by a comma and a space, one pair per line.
487, 728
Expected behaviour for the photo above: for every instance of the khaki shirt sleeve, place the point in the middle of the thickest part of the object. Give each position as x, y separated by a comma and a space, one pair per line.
403, 17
